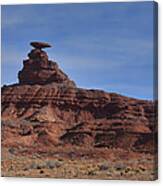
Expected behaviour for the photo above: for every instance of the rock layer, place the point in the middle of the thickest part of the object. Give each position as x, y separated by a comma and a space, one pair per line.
88, 117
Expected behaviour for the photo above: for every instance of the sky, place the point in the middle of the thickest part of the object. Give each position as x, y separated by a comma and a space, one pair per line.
106, 46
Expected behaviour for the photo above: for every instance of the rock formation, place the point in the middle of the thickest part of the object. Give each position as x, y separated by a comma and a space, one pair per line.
40, 45
46, 108
38, 69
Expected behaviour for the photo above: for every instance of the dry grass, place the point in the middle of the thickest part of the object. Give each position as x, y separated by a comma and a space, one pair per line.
61, 167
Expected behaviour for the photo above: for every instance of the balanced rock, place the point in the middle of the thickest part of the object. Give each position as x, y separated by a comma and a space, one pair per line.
40, 45
38, 69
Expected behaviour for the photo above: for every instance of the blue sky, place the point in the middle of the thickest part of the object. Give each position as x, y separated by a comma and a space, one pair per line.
105, 46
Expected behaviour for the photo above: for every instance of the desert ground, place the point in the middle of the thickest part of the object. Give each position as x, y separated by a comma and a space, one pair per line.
63, 163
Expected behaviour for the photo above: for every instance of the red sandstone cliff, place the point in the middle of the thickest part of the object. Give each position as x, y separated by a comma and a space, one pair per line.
46, 108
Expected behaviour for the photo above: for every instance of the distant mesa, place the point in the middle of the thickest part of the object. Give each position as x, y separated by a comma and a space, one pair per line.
40, 45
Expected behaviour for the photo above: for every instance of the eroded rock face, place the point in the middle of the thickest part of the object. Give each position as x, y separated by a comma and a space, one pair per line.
38, 69
48, 109
88, 117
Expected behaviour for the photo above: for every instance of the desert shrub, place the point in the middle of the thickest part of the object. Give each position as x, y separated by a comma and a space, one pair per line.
11, 150
119, 166
52, 164
103, 167
35, 165
91, 173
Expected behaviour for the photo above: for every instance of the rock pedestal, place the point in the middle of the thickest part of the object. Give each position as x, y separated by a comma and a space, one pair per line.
38, 69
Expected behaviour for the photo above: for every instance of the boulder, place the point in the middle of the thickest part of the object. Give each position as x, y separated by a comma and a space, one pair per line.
40, 45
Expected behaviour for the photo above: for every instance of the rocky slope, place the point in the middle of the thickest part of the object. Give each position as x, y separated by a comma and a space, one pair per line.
47, 109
